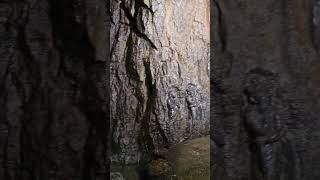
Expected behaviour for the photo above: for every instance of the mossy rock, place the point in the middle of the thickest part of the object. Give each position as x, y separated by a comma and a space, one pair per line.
159, 167
190, 160
128, 172
116, 176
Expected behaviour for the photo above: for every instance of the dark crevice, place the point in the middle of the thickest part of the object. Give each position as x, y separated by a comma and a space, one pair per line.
136, 23
129, 59
221, 29
145, 140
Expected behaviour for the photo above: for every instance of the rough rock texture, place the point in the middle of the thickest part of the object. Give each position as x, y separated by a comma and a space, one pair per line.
316, 23
53, 97
265, 90
159, 75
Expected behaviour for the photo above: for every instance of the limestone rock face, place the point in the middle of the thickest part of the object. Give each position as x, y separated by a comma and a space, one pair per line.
159, 75
265, 95
54, 90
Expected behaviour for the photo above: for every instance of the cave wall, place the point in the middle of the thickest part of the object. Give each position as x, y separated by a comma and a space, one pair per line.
54, 90
159, 76
264, 90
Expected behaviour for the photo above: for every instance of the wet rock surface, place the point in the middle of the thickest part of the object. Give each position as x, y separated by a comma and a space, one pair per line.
265, 90
159, 76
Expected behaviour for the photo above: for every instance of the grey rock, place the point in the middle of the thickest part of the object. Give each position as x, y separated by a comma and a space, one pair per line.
54, 94
152, 109
264, 90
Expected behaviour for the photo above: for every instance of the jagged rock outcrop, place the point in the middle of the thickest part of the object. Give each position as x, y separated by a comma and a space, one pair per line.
159, 76
265, 90
54, 90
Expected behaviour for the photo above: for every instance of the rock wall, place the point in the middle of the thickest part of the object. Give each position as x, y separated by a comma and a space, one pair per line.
159, 75
265, 90
54, 90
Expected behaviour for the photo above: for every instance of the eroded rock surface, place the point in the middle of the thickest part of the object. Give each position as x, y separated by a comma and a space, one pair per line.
160, 78
54, 90
265, 90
